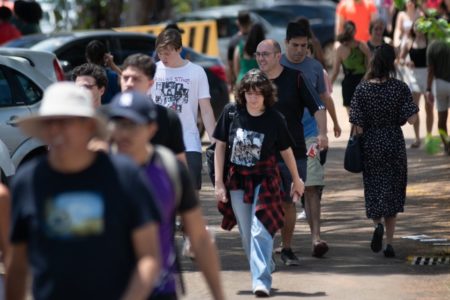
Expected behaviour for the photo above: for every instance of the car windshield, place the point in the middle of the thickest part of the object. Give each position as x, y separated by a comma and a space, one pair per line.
41, 43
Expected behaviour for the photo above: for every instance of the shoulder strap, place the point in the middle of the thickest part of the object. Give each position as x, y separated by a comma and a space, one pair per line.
171, 165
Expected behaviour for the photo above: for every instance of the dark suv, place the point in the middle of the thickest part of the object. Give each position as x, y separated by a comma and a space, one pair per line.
69, 48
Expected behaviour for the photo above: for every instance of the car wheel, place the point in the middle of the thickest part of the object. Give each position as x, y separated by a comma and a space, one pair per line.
329, 55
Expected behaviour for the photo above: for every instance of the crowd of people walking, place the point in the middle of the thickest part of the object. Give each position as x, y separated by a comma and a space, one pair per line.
124, 154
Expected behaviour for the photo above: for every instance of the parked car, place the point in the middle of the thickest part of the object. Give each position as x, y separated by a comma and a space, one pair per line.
69, 47
320, 13
7, 168
24, 75
226, 19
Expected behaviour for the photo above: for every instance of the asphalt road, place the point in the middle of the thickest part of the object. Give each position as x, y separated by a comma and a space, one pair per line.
350, 270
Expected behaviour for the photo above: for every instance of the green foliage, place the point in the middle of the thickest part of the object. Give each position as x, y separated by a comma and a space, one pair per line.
400, 4
433, 27
182, 6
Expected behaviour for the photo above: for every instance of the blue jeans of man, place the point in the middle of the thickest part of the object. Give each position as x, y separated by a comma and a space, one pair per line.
256, 240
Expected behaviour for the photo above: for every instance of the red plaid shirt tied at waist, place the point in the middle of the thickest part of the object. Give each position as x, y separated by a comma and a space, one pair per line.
268, 208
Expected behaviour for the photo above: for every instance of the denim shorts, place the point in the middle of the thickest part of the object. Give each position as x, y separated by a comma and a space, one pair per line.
286, 179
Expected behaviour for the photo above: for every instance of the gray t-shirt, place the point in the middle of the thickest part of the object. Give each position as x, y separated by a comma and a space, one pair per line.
438, 55
311, 69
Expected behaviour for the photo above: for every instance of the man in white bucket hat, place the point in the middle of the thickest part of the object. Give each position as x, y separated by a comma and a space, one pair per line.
84, 221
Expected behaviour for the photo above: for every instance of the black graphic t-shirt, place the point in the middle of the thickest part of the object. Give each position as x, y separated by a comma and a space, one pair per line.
252, 139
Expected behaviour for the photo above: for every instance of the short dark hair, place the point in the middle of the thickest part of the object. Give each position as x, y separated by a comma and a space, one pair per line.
5, 13
141, 62
95, 52
295, 30
93, 70
255, 79
305, 25
382, 63
243, 18
169, 38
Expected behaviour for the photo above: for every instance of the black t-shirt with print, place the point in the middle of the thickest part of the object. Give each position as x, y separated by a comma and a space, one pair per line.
78, 227
293, 96
252, 138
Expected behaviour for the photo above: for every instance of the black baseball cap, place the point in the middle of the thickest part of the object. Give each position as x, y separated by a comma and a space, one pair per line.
134, 106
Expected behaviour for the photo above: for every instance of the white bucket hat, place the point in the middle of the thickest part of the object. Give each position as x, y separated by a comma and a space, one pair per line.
62, 100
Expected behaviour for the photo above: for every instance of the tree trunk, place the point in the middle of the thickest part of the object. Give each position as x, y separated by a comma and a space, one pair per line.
112, 17
143, 12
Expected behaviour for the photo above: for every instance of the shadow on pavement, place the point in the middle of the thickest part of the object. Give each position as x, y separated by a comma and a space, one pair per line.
346, 228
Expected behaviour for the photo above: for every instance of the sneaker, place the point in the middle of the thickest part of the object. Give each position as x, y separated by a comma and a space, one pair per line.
288, 257
389, 251
278, 249
377, 238
301, 216
261, 292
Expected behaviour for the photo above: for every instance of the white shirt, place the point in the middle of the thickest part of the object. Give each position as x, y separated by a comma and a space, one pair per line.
180, 89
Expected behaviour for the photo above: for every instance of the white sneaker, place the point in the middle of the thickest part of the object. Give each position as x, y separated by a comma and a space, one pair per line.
261, 291
301, 216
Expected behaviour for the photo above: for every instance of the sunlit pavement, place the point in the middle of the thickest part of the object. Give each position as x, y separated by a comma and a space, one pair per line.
350, 270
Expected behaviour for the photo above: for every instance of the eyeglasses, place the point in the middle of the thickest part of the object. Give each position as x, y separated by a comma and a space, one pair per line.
263, 54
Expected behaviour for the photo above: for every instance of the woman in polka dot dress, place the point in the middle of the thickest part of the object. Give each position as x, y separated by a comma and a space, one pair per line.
380, 106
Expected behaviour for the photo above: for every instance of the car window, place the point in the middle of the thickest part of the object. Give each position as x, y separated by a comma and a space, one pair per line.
309, 12
5, 91
32, 93
276, 18
73, 53
17, 89
132, 45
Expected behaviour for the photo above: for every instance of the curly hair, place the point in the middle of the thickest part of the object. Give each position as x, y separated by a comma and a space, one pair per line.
92, 70
253, 80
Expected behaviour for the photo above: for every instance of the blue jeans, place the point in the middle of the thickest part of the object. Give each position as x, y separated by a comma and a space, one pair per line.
256, 240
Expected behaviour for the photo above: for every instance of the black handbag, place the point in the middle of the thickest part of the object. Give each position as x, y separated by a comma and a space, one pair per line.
353, 160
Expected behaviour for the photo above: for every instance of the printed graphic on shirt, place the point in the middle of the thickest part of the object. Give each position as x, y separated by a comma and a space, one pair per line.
246, 149
74, 214
173, 93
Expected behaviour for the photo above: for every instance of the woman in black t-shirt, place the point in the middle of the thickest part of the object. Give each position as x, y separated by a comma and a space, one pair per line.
250, 192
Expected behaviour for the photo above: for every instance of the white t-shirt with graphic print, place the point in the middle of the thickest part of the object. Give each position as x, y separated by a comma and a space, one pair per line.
180, 89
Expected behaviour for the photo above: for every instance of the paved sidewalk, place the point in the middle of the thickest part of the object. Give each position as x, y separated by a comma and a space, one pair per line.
350, 270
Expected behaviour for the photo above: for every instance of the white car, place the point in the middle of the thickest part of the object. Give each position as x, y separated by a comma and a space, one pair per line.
24, 75
7, 168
